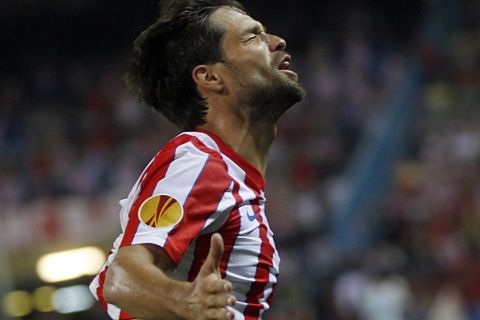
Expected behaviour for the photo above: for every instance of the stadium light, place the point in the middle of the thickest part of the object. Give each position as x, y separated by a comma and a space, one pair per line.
72, 299
42, 298
17, 304
70, 264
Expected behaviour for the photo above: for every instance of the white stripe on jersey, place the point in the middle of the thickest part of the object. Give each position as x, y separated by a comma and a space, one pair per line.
276, 257
113, 311
178, 182
214, 222
183, 172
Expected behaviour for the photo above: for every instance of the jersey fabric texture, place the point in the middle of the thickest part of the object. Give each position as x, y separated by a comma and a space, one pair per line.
196, 186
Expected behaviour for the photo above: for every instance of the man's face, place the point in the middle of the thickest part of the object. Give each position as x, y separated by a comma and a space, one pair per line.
257, 67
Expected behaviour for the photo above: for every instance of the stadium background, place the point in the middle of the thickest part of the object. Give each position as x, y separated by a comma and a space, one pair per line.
373, 183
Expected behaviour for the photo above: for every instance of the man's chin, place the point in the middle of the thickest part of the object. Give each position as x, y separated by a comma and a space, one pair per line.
292, 86
290, 93
296, 92
276, 98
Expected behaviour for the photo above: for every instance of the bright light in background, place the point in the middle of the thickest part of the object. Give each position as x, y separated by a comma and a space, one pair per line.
72, 299
17, 304
42, 298
71, 264
47, 299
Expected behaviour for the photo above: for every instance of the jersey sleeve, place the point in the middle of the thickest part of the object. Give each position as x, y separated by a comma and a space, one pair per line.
181, 194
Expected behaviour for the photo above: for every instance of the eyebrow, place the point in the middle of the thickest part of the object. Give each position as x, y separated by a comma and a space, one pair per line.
256, 28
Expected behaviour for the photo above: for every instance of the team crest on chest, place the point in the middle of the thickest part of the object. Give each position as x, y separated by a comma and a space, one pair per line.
160, 211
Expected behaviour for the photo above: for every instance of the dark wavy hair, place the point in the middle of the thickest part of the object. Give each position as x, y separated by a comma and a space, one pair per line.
166, 53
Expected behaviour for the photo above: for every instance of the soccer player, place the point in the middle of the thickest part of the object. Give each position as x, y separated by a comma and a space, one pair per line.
195, 241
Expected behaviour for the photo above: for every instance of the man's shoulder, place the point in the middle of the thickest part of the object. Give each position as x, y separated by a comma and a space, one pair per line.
193, 148
194, 142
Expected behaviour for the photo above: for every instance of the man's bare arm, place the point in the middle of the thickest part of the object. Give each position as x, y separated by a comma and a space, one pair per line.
136, 282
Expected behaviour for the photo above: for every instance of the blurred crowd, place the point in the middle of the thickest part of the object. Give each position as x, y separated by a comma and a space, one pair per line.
68, 128
431, 219
72, 130
424, 262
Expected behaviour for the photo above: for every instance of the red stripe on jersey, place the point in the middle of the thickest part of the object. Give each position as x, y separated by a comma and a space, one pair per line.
270, 297
201, 252
200, 204
101, 281
125, 316
262, 274
254, 178
146, 189
154, 173
229, 232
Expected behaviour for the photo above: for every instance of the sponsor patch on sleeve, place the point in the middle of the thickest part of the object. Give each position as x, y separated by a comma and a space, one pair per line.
160, 211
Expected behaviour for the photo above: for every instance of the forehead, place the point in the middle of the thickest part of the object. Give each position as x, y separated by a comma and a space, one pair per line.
234, 21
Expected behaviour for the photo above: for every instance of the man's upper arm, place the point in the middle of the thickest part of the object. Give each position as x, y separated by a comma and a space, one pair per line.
142, 256
159, 256
173, 208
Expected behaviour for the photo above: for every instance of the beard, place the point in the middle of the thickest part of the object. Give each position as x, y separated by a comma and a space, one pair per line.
268, 94
269, 102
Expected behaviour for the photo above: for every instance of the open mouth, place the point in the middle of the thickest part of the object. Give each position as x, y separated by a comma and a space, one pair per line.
285, 63
284, 66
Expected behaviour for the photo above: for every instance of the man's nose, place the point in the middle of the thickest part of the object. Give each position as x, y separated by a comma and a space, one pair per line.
276, 43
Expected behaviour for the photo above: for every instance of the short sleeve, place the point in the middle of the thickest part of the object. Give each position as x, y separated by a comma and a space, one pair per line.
181, 195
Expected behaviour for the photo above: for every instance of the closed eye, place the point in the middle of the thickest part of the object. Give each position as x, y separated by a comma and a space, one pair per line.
250, 38
254, 32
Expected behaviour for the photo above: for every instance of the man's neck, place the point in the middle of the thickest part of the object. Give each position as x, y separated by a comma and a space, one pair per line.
252, 142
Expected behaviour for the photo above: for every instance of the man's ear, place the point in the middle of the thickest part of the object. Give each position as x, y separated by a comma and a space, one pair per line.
206, 78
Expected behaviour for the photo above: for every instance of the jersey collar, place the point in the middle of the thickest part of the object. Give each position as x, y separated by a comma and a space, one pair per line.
253, 175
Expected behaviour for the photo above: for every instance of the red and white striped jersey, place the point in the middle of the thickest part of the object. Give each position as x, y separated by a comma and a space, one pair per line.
196, 186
